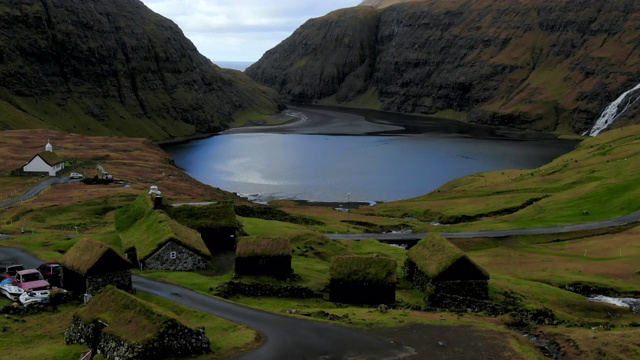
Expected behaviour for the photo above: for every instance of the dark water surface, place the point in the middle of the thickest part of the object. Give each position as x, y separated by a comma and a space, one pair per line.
380, 167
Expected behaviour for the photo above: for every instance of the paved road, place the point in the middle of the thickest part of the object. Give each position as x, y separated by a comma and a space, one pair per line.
286, 337
622, 220
52, 180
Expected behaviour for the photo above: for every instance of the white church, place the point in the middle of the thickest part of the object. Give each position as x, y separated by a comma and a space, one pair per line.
45, 162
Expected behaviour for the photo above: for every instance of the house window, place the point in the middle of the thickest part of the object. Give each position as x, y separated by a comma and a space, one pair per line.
172, 255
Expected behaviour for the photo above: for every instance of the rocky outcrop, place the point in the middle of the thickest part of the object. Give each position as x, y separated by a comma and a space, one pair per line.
541, 65
113, 67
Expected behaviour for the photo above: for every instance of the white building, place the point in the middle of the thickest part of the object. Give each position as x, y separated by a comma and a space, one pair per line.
45, 162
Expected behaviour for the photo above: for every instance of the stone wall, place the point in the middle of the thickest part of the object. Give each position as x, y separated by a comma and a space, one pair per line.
185, 259
119, 279
173, 340
477, 289
233, 288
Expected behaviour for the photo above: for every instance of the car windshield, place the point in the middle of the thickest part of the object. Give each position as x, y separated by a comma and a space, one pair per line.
12, 270
31, 277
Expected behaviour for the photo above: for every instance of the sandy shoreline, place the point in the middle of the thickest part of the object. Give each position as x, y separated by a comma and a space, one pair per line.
321, 121
325, 120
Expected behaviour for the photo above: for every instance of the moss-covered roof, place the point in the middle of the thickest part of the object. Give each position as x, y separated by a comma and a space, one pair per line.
50, 158
156, 229
434, 254
127, 215
85, 254
363, 269
127, 317
212, 216
261, 246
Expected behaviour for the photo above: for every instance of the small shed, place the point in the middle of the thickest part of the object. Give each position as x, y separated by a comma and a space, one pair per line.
263, 256
90, 265
46, 162
436, 265
362, 280
120, 326
157, 242
216, 223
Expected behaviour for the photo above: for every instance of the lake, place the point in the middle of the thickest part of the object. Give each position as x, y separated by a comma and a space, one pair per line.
399, 157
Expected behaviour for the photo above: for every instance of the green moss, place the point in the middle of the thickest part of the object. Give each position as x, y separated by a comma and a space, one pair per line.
257, 246
127, 215
212, 216
127, 317
363, 269
156, 229
434, 254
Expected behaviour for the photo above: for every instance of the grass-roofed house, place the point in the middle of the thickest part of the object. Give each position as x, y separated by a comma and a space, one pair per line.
437, 266
263, 256
120, 326
216, 223
362, 280
154, 241
90, 265
46, 162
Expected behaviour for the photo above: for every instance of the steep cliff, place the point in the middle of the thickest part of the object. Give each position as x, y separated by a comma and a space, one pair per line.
547, 65
113, 67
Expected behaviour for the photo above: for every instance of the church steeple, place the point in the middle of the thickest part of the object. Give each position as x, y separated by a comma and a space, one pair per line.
48, 147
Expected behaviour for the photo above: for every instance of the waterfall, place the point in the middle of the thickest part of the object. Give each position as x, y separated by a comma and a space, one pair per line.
611, 113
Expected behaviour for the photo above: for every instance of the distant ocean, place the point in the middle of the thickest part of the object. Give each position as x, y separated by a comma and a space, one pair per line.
237, 65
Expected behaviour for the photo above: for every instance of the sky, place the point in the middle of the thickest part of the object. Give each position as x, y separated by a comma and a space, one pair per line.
241, 30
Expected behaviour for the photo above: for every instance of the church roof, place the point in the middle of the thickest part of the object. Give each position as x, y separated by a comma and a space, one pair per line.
50, 158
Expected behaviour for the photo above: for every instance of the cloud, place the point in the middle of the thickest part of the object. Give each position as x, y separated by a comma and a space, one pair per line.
241, 30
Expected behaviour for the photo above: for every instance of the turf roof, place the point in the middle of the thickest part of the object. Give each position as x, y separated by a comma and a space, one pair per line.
85, 254
261, 246
434, 254
212, 216
156, 229
127, 215
363, 269
127, 317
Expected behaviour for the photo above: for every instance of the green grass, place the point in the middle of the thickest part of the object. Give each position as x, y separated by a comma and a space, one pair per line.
260, 227
39, 336
363, 269
227, 338
599, 176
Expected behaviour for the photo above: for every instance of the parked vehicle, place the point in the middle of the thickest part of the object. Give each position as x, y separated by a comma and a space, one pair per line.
10, 289
31, 297
75, 175
10, 269
31, 279
52, 272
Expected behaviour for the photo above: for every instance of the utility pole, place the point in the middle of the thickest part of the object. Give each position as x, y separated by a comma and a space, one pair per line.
348, 210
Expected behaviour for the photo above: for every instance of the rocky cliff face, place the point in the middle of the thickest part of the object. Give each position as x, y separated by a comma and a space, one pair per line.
544, 65
113, 67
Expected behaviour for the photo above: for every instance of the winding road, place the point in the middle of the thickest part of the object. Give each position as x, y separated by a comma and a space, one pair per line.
601, 224
286, 337
38, 188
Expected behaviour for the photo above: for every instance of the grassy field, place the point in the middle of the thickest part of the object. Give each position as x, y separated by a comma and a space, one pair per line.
600, 176
42, 335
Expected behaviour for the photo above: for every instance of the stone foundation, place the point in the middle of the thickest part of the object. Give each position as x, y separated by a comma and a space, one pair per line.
183, 259
174, 340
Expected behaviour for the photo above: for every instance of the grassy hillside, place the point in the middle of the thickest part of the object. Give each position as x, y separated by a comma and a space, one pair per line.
115, 68
532, 271
543, 65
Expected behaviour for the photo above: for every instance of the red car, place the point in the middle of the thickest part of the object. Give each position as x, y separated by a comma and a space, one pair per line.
31, 279
52, 272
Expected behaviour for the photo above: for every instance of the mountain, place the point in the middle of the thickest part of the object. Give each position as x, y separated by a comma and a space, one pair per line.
550, 65
114, 67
